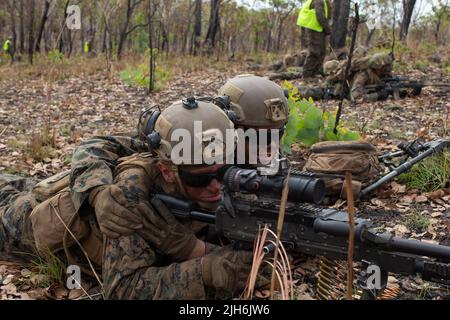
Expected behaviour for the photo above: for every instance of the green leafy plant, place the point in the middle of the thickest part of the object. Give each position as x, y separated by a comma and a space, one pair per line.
55, 56
429, 175
308, 124
140, 76
417, 222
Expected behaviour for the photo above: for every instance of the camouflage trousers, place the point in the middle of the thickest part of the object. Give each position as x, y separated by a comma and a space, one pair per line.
16, 204
316, 53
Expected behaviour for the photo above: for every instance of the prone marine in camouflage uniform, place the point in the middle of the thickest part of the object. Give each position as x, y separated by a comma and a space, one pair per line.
370, 71
365, 71
257, 102
164, 259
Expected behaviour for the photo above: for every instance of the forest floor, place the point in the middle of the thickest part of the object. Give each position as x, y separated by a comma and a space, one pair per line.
42, 119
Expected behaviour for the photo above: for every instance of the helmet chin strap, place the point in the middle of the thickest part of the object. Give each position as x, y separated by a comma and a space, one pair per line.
178, 183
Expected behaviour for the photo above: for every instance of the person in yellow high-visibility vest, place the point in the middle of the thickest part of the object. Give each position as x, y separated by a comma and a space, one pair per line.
314, 18
8, 48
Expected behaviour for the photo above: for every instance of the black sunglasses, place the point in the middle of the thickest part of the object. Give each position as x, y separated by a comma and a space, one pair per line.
202, 180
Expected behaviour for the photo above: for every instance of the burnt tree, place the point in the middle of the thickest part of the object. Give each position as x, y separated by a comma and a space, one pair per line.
30, 31
124, 32
214, 21
12, 15
408, 8
341, 13
197, 26
21, 28
42, 25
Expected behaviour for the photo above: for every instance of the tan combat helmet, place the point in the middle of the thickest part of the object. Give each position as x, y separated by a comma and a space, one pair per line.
177, 133
380, 60
360, 52
257, 102
331, 67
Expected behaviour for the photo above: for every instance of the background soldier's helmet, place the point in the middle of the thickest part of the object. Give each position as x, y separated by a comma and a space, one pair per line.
330, 67
360, 52
257, 102
380, 60
191, 123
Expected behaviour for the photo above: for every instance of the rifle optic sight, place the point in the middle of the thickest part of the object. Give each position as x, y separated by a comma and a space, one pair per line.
302, 188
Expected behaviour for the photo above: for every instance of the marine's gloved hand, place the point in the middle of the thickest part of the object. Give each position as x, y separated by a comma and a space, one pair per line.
227, 269
168, 236
383, 94
115, 214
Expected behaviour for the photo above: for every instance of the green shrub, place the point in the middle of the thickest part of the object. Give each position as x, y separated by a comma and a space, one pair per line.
308, 124
140, 76
429, 175
417, 222
55, 56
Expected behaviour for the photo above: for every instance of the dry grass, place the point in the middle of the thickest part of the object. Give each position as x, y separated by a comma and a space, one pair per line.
282, 268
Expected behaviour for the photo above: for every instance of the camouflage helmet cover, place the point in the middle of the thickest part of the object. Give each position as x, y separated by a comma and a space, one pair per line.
257, 102
380, 60
331, 67
360, 52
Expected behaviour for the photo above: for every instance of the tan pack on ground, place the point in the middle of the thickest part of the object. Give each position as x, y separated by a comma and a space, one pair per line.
335, 158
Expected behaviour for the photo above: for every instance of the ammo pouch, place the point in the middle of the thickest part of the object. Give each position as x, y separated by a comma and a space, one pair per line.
50, 186
51, 220
331, 160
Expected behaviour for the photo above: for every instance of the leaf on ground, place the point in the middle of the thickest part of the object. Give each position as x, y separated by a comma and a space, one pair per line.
400, 230
421, 199
398, 188
76, 293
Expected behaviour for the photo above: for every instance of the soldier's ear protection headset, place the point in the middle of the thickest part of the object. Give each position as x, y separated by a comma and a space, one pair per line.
154, 138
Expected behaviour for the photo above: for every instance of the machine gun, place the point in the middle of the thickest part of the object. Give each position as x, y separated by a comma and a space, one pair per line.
312, 230
399, 87
410, 154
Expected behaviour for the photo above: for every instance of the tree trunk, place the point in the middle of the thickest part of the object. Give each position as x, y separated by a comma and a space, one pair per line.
341, 13
21, 28
123, 32
370, 34
197, 25
438, 28
408, 8
12, 13
151, 11
31, 32
42, 25
280, 30
104, 36
61, 41
214, 21
256, 42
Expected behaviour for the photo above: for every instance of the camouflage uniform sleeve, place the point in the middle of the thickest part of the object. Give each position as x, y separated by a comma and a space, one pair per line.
319, 5
131, 270
359, 81
94, 160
